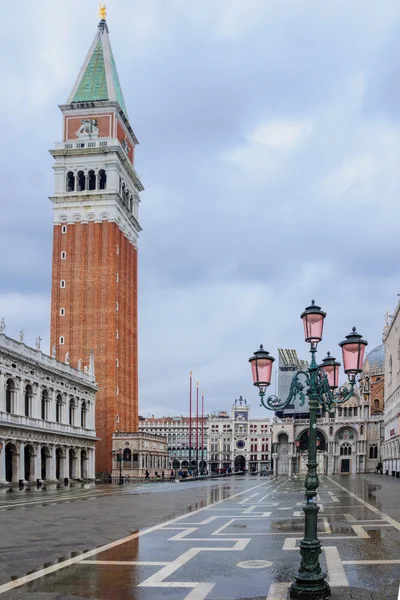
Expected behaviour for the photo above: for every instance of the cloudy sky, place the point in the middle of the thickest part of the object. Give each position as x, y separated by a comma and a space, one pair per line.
270, 153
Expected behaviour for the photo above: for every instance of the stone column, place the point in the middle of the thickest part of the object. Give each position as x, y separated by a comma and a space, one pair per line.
21, 466
52, 474
2, 457
78, 464
38, 462
19, 400
2, 393
66, 464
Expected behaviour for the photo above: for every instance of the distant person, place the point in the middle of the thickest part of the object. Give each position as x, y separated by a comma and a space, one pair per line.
147, 475
162, 474
155, 474
172, 474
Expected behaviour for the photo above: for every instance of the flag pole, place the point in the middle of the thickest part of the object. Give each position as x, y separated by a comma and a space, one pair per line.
202, 430
190, 422
197, 425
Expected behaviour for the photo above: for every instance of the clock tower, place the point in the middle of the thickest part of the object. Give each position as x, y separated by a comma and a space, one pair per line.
95, 243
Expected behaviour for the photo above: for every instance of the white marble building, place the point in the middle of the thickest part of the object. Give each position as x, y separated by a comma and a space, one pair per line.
176, 430
140, 452
391, 444
237, 441
47, 416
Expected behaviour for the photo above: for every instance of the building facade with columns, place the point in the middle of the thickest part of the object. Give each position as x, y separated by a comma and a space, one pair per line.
47, 416
137, 452
391, 444
178, 431
237, 441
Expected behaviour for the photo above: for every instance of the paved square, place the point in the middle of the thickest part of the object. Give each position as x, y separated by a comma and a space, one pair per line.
243, 546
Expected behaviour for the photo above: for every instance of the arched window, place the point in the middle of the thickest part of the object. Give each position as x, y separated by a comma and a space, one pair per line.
390, 369
361, 429
10, 396
81, 181
71, 415
373, 451
127, 454
58, 408
28, 400
70, 183
345, 450
83, 414
102, 179
44, 405
331, 430
91, 180
376, 403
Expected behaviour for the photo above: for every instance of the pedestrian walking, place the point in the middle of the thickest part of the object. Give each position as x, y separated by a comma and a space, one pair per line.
172, 474
162, 474
147, 475
155, 474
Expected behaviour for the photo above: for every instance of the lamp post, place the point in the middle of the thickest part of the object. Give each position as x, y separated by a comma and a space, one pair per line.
119, 459
322, 391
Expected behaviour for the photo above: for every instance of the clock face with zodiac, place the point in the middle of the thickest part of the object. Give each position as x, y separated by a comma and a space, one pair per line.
240, 444
240, 416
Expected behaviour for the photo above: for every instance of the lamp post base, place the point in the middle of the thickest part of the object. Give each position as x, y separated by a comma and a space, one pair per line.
309, 590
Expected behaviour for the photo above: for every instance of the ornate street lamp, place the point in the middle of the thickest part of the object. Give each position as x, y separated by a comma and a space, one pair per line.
321, 383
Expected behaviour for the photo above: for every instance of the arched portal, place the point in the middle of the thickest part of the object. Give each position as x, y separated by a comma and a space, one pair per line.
11, 462
72, 464
283, 454
84, 464
240, 463
45, 463
29, 461
60, 464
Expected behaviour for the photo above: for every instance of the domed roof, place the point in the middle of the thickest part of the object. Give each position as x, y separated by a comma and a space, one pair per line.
375, 360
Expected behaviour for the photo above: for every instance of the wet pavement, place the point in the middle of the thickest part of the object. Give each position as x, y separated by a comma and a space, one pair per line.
239, 540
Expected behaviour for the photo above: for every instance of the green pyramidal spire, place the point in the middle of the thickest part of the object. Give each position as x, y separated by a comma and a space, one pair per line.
98, 78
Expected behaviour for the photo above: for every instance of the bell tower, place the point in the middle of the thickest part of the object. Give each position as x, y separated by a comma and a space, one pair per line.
96, 229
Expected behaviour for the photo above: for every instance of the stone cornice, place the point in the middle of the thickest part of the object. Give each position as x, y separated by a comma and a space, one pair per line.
25, 355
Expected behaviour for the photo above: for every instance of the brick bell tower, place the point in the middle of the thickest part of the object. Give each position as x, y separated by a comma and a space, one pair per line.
95, 257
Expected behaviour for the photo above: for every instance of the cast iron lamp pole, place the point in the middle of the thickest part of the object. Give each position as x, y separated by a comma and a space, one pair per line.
119, 458
322, 391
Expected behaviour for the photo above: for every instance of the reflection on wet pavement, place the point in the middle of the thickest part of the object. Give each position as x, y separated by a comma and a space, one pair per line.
210, 551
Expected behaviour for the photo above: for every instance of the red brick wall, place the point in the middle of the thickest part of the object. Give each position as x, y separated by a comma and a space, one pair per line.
121, 134
91, 320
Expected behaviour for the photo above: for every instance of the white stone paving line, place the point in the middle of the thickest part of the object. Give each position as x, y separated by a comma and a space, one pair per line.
200, 589
336, 572
278, 590
6, 587
393, 522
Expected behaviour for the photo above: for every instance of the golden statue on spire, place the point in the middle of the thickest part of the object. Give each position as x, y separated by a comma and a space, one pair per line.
103, 12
